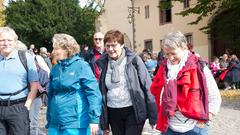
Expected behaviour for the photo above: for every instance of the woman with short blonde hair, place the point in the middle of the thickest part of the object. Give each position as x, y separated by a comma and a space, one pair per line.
67, 43
74, 99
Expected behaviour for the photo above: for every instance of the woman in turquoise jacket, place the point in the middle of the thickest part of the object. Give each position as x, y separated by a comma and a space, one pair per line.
74, 99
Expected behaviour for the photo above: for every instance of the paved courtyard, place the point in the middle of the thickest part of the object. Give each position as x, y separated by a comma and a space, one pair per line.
227, 122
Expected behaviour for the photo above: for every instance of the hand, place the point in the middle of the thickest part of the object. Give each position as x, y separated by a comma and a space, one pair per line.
201, 124
40, 88
210, 116
106, 132
27, 106
93, 129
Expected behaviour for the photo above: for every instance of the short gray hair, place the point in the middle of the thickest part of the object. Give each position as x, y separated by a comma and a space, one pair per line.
21, 46
174, 40
67, 43
9, 31
43, 50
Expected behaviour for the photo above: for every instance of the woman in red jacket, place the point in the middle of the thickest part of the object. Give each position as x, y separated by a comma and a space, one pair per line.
186, 94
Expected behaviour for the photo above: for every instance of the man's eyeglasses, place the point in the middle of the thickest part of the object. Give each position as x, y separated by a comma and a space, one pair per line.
100, 39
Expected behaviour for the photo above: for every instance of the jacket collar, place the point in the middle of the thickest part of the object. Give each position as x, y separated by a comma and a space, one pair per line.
191, 63
70, 60
130, 54
12, 55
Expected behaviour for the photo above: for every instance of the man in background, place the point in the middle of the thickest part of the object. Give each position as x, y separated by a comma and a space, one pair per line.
44, 54
92, 55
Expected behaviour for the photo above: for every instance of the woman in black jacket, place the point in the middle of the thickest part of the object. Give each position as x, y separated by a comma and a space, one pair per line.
125, 87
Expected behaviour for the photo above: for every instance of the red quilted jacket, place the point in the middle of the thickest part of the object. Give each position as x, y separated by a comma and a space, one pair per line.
192, 97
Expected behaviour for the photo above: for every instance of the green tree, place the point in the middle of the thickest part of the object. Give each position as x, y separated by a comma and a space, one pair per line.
95, 4
204, 8
36, 21
2, 18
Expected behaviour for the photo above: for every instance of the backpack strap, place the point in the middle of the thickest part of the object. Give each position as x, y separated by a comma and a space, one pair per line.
23, 59
203, 88
134, 62
202, 63
14, 93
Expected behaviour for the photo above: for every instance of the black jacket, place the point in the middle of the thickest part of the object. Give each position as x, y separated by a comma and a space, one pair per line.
89, 57
139, 83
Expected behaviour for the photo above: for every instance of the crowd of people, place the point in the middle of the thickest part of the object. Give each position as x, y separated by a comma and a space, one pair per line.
226, 71
106, 88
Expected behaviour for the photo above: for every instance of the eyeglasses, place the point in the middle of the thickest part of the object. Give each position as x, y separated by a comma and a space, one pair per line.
100, 39
114, 46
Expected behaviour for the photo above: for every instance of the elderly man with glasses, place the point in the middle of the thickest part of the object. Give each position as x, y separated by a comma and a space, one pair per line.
92, 55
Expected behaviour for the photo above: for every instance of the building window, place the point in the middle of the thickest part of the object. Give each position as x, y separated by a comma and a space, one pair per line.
165, 14
161, 44
189, 38
186, 3
146, 11
148, 45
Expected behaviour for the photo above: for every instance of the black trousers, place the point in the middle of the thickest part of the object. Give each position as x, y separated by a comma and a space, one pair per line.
123, 121
14, 120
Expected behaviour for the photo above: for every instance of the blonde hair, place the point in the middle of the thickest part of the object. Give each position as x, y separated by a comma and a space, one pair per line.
67, 43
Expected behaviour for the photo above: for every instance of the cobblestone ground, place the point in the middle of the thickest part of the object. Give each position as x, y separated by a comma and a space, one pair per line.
227, 122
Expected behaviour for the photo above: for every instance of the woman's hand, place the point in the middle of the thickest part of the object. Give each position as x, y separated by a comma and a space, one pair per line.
93, 129
106, 132
210, 115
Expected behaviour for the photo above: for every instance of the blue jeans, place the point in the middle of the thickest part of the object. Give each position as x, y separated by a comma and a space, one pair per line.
195, 131
34, 114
